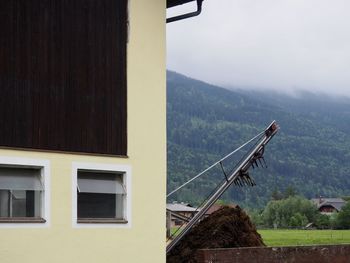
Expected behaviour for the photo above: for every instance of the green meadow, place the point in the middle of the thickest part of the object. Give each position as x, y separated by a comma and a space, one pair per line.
304, 237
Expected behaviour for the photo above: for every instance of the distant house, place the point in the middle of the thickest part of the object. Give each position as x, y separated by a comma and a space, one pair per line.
328, 206
180, 213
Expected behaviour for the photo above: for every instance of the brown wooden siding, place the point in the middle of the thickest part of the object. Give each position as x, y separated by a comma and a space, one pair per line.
63, 75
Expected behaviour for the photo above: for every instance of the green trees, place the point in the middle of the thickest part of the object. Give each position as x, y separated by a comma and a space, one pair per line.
343, 217
297, 212
298, 220
294, 211
323, 221
290, 191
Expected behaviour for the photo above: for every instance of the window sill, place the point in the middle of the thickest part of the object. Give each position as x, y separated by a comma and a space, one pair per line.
22, 220
101, 221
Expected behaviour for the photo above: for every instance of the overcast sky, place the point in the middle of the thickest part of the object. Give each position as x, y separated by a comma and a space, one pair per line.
279, 44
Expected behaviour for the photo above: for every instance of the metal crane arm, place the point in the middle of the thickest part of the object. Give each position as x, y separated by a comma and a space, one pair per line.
252, 157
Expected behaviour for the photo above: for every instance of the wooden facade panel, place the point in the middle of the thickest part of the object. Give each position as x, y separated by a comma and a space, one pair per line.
63, 75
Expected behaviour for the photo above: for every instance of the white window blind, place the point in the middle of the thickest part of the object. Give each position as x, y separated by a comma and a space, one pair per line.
100, 183
20, 179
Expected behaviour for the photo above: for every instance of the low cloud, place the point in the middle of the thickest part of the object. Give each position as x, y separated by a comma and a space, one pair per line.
283, 45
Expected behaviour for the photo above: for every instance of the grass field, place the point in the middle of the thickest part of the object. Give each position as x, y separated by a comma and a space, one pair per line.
305, 237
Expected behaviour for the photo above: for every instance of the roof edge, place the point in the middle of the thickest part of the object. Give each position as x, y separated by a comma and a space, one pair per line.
172, 3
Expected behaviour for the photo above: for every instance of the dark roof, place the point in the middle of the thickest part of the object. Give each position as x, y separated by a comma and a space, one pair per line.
337, 203
337, 206
172, 3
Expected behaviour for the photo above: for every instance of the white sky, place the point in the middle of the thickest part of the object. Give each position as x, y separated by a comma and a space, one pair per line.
278, 44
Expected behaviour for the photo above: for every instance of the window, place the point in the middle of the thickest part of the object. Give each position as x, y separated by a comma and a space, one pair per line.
20, 193
102, 195
24, 197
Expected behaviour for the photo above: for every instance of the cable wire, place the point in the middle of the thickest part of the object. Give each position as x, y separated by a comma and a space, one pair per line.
213, 165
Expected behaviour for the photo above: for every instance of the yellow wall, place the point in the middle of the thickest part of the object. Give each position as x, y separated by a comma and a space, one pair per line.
144, 241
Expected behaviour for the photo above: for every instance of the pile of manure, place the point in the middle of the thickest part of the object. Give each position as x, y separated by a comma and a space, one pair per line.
226, 228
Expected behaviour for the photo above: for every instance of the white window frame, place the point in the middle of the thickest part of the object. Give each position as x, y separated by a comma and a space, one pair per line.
117, 168
44, 166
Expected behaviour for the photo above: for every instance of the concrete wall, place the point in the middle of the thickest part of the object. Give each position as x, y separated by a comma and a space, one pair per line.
301, 254
143, 240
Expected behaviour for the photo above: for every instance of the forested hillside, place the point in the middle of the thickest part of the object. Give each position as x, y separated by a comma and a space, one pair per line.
310, 153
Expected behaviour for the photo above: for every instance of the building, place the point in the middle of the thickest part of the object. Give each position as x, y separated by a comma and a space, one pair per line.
83, 130
328, 206
180, 213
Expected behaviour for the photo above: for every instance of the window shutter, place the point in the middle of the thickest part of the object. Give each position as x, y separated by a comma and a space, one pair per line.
20, 179
103, 184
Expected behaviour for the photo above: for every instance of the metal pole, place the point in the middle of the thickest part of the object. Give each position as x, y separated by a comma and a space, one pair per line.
269, 133
168, 224
222, 159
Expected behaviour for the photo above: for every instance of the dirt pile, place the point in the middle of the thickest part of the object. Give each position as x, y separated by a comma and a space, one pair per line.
226, 228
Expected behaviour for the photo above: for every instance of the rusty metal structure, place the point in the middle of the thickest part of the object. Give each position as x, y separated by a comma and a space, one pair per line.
239, 177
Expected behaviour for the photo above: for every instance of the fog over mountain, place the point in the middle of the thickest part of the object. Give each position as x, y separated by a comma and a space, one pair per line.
281, 45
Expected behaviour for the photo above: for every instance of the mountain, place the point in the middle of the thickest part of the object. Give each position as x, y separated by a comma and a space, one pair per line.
310, 153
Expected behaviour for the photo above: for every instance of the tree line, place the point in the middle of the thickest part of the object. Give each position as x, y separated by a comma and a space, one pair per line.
295, 211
